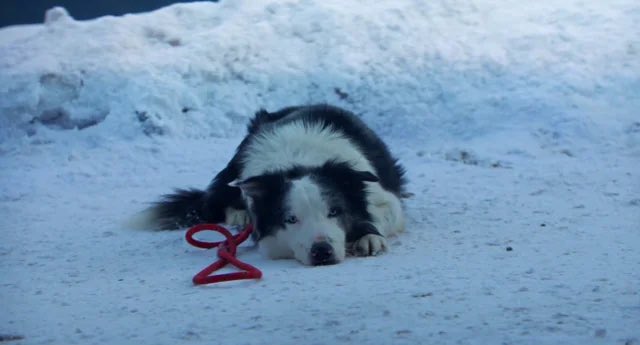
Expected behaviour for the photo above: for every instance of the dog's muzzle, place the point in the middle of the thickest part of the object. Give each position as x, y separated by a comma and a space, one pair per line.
322, 253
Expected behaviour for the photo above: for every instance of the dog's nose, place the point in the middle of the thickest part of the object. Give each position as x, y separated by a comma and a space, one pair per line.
322, 254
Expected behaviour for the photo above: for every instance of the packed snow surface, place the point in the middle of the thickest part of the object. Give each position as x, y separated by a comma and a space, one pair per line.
518, 123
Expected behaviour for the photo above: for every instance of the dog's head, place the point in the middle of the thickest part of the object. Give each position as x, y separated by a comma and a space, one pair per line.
306, 213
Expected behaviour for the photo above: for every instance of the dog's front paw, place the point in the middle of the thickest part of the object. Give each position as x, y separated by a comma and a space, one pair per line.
370, 245
235, 216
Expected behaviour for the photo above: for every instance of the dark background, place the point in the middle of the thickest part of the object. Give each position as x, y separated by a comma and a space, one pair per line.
32, 11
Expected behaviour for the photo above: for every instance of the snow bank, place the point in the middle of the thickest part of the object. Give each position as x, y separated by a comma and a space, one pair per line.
450, 69
517, 122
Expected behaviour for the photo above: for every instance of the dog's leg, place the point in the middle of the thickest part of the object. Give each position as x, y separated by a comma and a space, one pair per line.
369, 238
386, 210
234, 216
366, 240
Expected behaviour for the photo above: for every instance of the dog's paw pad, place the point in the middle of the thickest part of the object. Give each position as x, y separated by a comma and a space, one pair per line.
370, 245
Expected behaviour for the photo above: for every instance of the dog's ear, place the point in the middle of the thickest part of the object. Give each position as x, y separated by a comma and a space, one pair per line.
342, 171
256, 186
367, 176
252, 186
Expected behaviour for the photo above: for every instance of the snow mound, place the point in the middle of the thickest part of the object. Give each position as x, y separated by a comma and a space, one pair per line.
517, 123
448, 69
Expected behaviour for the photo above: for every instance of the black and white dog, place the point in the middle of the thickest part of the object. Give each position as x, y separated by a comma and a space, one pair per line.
315, 182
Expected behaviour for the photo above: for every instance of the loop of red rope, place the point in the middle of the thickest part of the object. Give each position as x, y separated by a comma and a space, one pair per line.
226, 255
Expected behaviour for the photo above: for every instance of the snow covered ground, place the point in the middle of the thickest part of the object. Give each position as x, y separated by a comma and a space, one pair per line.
518, 123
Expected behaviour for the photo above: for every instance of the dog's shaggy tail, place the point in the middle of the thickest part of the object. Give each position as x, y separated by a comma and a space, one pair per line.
183, 208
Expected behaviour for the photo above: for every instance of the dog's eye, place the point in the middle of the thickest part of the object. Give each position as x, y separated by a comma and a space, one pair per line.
335, 211
291, 219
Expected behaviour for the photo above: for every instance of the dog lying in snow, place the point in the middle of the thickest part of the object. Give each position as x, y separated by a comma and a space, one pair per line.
315, 182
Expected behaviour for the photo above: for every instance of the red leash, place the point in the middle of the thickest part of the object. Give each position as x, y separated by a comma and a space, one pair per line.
226, 254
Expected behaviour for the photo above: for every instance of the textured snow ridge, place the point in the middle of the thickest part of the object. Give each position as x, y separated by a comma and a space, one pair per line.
518, 123
198, 70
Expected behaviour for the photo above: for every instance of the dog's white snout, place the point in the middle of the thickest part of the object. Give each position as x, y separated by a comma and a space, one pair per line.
321, 238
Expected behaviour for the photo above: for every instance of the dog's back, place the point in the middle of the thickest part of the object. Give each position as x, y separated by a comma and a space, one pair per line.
326, 119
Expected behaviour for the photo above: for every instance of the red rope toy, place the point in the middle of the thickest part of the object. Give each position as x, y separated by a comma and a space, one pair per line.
226, 254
